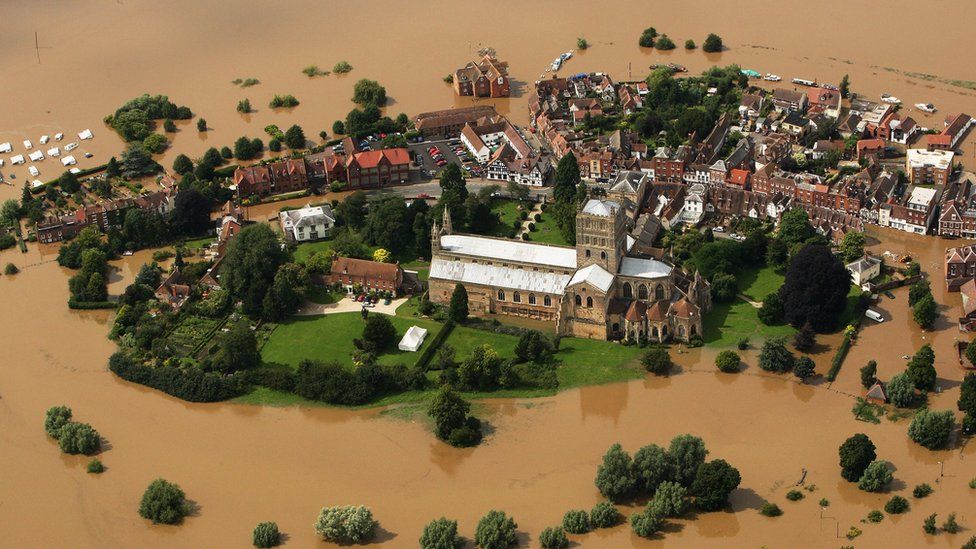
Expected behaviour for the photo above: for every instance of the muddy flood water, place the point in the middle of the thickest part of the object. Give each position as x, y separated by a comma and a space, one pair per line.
93, 56
241, 465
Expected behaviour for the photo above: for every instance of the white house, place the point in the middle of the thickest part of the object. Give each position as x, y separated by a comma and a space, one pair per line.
308, 223
864, 269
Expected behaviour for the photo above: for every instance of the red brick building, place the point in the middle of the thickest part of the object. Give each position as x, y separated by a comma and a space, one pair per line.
371, 275
284, 176
486, 78
378, 168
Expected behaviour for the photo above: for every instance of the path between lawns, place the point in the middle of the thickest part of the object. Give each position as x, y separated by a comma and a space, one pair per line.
348, 305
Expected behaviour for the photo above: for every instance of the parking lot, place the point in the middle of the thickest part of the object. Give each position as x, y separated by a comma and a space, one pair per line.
445, 148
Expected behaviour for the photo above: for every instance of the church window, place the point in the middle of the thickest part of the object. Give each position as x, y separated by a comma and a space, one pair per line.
501, 295
531, 299
642, 292
589, 301
579, 300
628, 290
547, 301
659, 292
517, 297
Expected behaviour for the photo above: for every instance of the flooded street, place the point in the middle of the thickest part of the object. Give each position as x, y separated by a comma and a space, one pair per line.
93, 56
242, 464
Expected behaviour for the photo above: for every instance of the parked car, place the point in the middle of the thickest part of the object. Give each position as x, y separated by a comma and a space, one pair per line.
441, 162
719, 229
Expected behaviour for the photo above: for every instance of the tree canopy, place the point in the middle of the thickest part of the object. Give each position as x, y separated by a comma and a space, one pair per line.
815, 289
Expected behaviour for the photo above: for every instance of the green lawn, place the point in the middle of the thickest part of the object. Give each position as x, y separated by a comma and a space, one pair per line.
756, 284
727, 323
508, 213
305, 249
547, 232
198, 243
329, 338
322, 295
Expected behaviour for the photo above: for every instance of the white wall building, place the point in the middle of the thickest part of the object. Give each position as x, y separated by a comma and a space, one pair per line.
308, 223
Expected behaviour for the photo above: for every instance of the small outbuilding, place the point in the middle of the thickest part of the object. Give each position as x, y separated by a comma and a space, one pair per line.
877, 393
413, 339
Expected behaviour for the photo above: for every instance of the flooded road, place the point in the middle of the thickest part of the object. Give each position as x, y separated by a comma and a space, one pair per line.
93, 56
241, 465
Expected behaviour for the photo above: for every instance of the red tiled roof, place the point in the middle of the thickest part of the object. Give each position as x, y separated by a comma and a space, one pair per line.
371, 159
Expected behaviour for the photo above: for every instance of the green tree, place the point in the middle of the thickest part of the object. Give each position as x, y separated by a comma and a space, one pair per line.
458, 309
163, 503
869, 374
55, 418
576, 521
775, 357
369, 92
266, 534
686, 454
925, 311
202, 125
351, 212
928, 526
845, 86
852, 246
481, 370
379, 332
950, 525
805, 339
645, 524
856, 453
777, 253
918, 290
567, 179
295, 137
921, 368
656, 360
647, 38
191, 212
136, 162
615, 477
804, 367
238, 350
901, 391
651, 467
896, 505
932, 429
690, 44
771, 311
794, 227
244, 106
553, 538
250, 265
449, 412
78, 438
496, 530
728, 361
664, 43
68, 183
346, 524
724, 287
287, 292
876, 476
967, 393
155, 143
388, 225
182, 164
604, 515
712, 44
670, 500
242, 149
440, 533
714, 482
815, 289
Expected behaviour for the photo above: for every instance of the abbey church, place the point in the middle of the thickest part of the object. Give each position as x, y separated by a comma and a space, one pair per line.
606, 287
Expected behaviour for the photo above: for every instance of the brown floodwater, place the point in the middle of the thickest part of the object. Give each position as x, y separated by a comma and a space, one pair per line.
93, 56
243, 464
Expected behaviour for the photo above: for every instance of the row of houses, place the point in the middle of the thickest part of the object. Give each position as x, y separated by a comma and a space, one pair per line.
107, 215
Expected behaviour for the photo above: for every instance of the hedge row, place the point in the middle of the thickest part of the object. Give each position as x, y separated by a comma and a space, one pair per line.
839, 357
190, 384
428, 353
85, 305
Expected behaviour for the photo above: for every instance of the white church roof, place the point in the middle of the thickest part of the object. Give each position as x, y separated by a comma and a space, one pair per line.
595, 276
643, 268
511, 250
600, 207
501, 277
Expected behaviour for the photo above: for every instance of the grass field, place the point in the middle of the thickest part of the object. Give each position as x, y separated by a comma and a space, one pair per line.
305, 249
329, 338
756, 284
727, 323
547, 232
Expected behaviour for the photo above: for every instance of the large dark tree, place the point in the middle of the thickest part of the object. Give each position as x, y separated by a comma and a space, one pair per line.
458, 310
714, 482
191, 212
238, 350
351, 212
295, 137
286, 292
387, 224
454, 193
567, 179
815, 289
794, 227
856, 453
250, 265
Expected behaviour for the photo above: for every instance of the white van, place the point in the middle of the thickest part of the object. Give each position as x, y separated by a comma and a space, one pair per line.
874, 315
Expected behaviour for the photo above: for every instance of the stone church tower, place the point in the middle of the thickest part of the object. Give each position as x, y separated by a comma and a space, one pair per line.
601, 234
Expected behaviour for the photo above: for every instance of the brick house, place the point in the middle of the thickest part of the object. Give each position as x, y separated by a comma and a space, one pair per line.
485, 78
371, 275
284, 176
449, 122
378, 168
928, 167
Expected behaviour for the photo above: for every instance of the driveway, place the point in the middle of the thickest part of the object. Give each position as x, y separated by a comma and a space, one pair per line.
348, 305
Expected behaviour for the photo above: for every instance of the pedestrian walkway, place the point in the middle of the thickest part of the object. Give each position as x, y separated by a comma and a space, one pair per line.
348, 305
536, 209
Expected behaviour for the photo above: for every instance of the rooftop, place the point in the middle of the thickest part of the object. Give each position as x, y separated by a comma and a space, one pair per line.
512, 250
514, 278
643, 268
595, 276
920, 158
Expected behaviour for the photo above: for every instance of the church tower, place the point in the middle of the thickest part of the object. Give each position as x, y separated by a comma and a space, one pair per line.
601, 234
436, 231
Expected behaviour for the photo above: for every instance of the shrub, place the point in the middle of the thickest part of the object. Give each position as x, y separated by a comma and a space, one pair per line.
202, 125
647, 38
553, 538
928, 526
972, 483
686, 454
770, 510
582, 44
604, 515
56, 418
670, 500
576, 521
10, 269
283, 101
853, 532
266, 535
690, 44
163, 503
78, 438
650, 468
713, 484
950, 525
804, 367
646, 523
743, 344
901, 392
856, 453
728, 361
794, 495
824, 502
931, 429
875, 516
664, 43
875, 477
712, 44
896, 505
341, 67
657, 361
971, 544
775, 357
869, 374
440, 534
921, 491
379, 332
346, 524
496, 530
614, 478
95, 466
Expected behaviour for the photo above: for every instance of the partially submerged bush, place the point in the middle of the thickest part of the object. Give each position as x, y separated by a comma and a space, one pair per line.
346, 524
163, 503
266, 535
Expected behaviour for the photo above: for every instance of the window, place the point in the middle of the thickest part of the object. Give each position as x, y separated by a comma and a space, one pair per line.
642, 292
659, 292
501, 295
547, 301
579, 301
587, 253
517, 297
628, 290
531, 299
589, 301
603, 256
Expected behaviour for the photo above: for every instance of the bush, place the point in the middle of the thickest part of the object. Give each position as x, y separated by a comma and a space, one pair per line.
804, 367
614, 478
10, 269
341, 67
650, 468
56, 418
950, 525
163, 503
743, 344
714, 482
896, 505
190, 384
95, 467
901, 392
440, 534
670, 500
657, 360
647, 38
645, 524
553, 538
346, 524
496, 530
712, 44
875, 477
78, 438
931, 429
794, 495
664, 43
921, 491
728, 362
690, 44
770, 510
576, 521
604, 515
379, 332
771, 311
928, 526
875, 516
266, 535
775, 357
